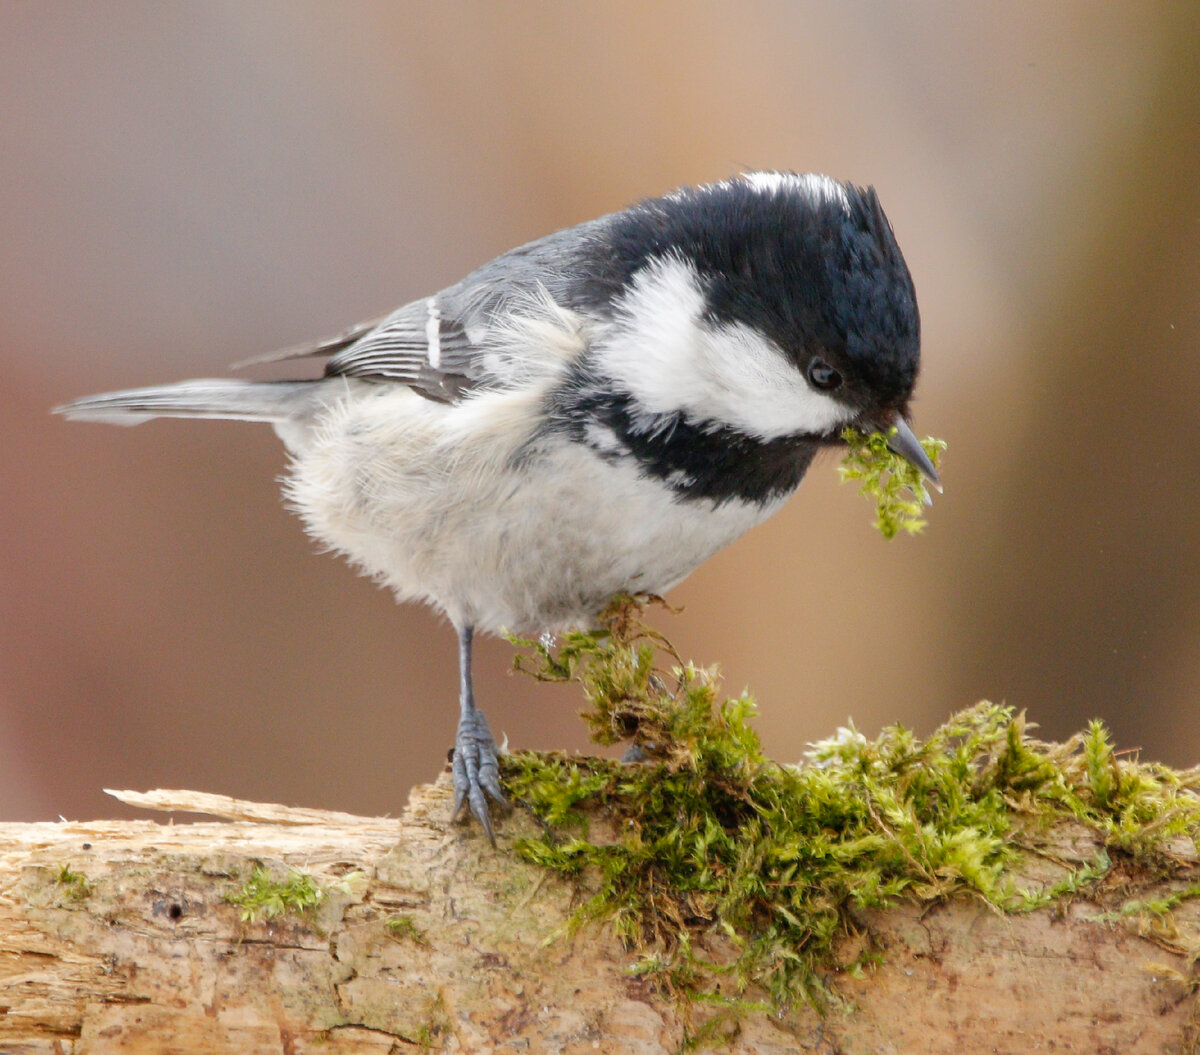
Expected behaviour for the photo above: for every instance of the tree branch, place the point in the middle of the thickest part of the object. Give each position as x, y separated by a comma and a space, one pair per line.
120, 936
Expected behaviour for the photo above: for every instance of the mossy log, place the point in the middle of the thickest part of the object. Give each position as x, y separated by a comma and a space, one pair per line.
124, 936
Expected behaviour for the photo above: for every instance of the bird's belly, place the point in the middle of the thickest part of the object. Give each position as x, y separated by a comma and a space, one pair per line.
495, 533
552, 552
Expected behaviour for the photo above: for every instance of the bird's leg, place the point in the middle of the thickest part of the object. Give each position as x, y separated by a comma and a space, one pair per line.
476, 770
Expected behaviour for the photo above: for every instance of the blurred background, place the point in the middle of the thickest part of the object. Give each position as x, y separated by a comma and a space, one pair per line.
186, 185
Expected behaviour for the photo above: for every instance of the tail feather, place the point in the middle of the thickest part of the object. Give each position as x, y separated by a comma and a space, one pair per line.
201, 398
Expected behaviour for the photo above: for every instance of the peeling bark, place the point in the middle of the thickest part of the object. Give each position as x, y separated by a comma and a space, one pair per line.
149, 956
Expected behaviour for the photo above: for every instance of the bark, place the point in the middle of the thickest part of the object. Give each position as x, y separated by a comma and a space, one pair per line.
149, 956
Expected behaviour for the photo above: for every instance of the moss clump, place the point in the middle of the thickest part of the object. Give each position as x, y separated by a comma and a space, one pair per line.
404, 928
710, 838
896, 485
75, 885
264, 897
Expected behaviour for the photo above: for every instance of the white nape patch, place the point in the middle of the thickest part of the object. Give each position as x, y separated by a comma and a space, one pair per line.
813, 185
670, 359
433, 335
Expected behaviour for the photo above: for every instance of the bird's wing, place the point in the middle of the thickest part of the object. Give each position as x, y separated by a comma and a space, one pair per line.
420, 346
505, 323
415, 345
470, 337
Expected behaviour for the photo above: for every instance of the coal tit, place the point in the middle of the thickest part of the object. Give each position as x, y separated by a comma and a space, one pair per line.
597, 411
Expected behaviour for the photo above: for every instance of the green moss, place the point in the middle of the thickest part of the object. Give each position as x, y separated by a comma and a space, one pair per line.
264, 897
436, 1026
75, 885
708, 837
403, 928
897, 486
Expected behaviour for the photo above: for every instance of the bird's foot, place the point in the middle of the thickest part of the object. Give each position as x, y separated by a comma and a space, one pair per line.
476, 770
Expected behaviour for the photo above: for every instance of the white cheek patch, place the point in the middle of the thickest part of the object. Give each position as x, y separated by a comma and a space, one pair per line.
671, 360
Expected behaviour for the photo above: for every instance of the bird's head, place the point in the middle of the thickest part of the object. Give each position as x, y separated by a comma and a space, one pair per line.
774, 304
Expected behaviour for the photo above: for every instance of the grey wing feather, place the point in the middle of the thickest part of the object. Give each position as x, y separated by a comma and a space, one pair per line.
313, 349
417, 346
395, 347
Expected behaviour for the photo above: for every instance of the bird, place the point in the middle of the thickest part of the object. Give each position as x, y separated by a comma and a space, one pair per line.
597, 411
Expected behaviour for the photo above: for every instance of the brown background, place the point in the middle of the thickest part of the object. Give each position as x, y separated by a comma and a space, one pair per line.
184, 185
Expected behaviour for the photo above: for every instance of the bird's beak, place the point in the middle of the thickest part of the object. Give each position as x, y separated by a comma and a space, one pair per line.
905, 444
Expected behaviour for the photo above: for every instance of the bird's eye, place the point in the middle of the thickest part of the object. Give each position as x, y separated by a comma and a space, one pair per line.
823, 376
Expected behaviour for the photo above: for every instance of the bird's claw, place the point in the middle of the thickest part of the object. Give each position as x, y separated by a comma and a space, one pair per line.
475, 771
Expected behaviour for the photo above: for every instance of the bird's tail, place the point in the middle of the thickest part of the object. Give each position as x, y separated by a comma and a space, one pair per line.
202, 398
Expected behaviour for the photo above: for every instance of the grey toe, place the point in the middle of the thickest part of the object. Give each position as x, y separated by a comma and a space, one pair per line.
475, 771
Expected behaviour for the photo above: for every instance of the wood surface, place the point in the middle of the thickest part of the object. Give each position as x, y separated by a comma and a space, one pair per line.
117, 936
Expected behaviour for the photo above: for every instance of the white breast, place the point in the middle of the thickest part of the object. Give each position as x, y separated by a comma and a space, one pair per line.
451, 505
